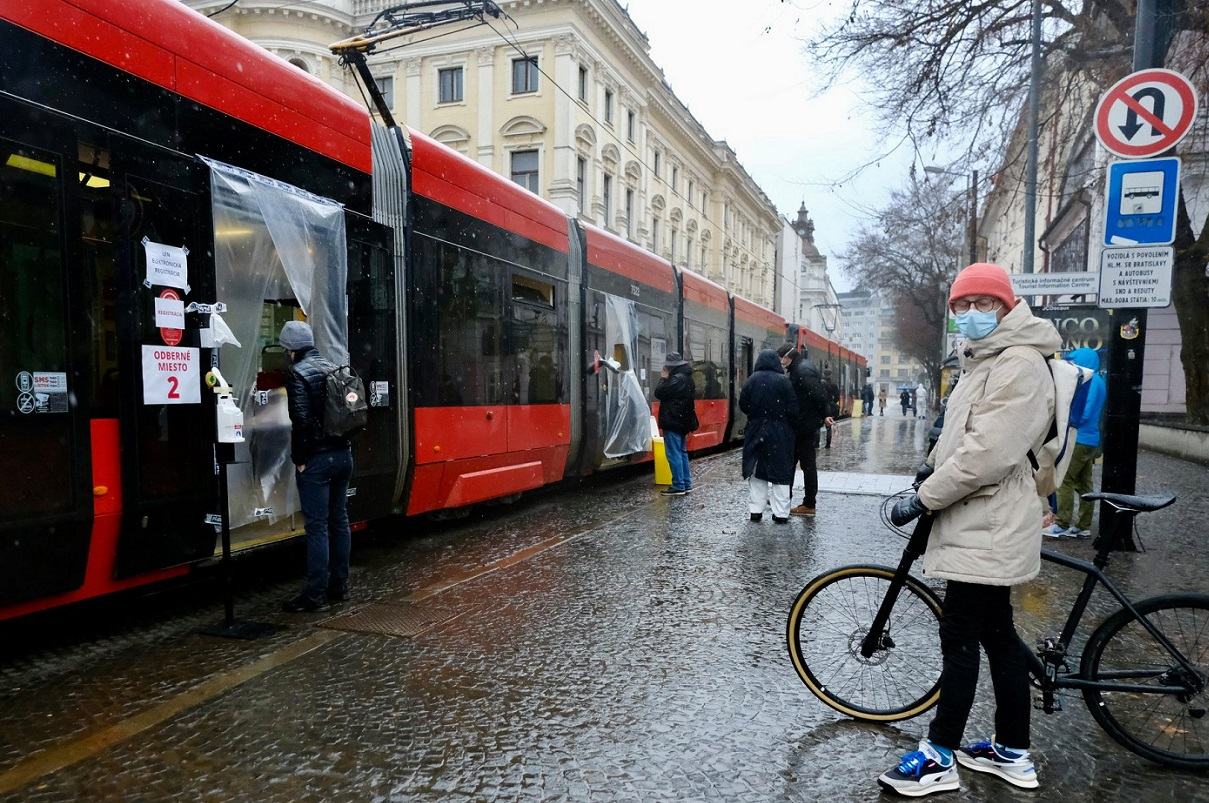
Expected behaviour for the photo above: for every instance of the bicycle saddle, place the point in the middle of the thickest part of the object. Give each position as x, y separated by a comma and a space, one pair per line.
1137, 504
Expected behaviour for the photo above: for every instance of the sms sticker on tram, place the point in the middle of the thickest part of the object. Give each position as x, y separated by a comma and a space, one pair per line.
171, 375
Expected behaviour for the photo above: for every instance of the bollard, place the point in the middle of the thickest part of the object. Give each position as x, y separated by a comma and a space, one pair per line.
663, 469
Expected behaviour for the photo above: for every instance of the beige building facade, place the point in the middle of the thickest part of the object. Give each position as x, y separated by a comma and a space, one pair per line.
569, 104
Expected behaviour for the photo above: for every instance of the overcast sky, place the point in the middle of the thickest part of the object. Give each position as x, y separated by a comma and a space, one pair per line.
742, 70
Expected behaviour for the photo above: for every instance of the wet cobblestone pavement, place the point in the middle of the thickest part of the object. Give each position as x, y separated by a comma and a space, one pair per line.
594, 643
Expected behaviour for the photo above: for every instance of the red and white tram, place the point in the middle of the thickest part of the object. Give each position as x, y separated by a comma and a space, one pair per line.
507, 347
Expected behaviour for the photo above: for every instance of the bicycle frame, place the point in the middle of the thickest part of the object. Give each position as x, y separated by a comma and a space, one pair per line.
1075, 680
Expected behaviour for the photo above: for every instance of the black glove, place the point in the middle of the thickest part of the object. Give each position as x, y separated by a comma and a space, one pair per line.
907, 510
922, 474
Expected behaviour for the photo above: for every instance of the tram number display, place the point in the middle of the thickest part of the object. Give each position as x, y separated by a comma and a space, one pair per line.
171, 375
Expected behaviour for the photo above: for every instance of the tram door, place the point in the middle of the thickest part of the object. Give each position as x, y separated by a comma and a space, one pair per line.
45, 483
162, 239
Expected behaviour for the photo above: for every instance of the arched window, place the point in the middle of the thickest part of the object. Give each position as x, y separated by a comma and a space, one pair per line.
300, 64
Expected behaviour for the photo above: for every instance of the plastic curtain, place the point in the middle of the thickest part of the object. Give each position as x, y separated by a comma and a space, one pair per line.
626, 414
272, 241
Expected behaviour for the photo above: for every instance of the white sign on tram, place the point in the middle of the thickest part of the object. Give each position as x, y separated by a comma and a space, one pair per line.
171, 375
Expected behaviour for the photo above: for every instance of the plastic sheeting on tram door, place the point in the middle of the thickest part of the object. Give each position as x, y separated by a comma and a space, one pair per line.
273, 243
626, 414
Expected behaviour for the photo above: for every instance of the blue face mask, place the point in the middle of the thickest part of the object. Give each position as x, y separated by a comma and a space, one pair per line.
976, 325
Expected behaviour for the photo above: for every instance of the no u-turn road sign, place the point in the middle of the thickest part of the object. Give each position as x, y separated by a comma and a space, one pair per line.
1146, 113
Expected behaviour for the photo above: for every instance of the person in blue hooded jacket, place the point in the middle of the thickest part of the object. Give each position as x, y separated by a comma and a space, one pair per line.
1085, 419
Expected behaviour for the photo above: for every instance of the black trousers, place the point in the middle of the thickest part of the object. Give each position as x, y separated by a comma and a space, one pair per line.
976, 615
806, 446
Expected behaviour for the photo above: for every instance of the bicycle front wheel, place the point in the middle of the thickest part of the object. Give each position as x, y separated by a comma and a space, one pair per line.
1168, 728
829, 621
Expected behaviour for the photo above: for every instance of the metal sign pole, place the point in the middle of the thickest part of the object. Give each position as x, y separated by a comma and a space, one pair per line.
1127, 343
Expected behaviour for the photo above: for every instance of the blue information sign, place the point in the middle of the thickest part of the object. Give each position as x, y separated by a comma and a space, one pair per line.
1140, 207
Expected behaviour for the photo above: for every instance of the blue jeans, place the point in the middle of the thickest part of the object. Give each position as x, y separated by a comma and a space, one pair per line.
677, 459
323, 494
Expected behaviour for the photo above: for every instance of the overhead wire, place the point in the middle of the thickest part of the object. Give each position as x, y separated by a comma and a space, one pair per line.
608, 129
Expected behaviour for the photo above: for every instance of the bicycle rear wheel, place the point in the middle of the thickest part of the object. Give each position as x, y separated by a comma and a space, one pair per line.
1166, 728
828, 623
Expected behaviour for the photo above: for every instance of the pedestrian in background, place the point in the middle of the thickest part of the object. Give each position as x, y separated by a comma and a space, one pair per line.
904, 398
677, 418
812, 413
832, 392
323, 467
867, 398
881, 400
1085, 418
771, 406
984, 539
921, 400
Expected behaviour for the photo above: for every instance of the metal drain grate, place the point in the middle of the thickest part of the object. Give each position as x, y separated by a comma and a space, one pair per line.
395, 619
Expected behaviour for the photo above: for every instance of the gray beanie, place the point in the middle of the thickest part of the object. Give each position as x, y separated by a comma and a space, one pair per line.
296, 336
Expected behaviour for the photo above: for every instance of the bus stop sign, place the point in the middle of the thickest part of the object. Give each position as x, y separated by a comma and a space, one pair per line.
1141, 203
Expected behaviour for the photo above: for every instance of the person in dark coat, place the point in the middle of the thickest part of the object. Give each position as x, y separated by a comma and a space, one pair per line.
323, 468
677, 418
832, 392
771, 406
867, 399
813, 412
904, 399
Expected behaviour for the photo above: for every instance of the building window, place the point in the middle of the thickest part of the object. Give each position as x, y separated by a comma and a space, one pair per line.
688, 196
581, 179
583, 84
608, 106
630, 124
704, 261
704, 197
655, 235
885, 359
675, 178
450, 81
629, 213
524, 75
300, 64
675, 235
386, 85
656, 165
524, 169
607, 192
688, 251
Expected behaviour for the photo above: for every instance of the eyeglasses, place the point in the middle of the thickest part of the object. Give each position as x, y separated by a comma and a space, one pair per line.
980, 304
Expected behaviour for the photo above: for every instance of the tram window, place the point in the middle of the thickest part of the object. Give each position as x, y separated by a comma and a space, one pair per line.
463, 313
97, 253
536, 338
32, 333
705, 346
652, 347
31, 268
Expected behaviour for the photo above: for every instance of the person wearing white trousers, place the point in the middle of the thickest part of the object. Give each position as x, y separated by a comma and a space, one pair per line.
762, 493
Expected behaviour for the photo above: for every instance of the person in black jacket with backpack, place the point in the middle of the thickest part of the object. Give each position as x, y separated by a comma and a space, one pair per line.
323, 468
814, 410
676, 393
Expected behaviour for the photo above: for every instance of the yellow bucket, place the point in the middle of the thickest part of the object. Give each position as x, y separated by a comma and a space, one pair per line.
858, 408
663, 470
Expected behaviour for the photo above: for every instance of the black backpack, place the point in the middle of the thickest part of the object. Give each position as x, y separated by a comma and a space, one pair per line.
345, 411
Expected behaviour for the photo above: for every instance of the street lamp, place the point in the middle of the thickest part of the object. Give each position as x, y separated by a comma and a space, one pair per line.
973, 201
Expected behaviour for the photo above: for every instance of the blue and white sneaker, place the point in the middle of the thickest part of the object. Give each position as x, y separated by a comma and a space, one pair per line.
1013, 766
922, 772
1078, 532
1055, 531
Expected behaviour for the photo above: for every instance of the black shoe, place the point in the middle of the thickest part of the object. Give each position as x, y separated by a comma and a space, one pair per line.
302, 604
673, 492
337, 595
779, 520
757, 517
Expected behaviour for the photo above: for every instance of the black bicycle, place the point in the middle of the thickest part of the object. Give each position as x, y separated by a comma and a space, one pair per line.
1143, 671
